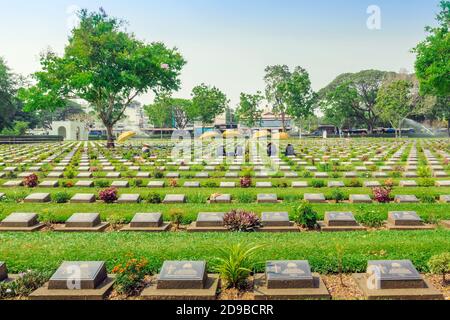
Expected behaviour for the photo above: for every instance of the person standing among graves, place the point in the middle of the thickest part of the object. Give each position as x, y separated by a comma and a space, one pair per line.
271, 150
239, 151
289, 150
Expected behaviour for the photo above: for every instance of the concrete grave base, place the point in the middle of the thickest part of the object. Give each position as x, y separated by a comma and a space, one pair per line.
100, 228
193, 228
22, 229
100, 293
390, 226
320, 292
445, 224
291, 228
326, 228
208, 293
164, 227
10, 278
428, 293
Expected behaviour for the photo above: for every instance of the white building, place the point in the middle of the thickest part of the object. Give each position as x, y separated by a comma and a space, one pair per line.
70, 130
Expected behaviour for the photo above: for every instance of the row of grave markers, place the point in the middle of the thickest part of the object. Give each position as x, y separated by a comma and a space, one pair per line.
212, 222
189, 280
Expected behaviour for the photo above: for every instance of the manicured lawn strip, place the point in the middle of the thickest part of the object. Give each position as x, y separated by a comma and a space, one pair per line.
58, 213
45, 251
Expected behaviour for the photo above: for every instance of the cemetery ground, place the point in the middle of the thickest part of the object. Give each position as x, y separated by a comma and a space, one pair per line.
335, 169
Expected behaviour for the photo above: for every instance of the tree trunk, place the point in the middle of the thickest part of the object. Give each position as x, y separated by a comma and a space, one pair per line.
448, 127
283, 121
110, 137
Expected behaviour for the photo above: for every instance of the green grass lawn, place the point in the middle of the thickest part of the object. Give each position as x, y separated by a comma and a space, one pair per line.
46, 250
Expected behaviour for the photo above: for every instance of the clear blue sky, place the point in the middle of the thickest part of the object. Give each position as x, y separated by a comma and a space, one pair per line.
228, 43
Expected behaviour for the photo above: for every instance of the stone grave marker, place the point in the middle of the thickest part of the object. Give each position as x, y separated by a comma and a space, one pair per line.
315, 197
83, 198
129, 198
406, 199
340, 219
120, 184
360, 198
155, 184
78, 276
3, 271
182, 275
275, 219
210, 219
21, 222
85, 184
174, 198
395, 274
404, 218
267, 198
49, 184
37, 198
289, 275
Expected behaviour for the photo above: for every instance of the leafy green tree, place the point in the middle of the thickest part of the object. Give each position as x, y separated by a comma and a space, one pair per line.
168, 112
433, 56
277, 78
19, 128
340, 105
9, 83
289, 92
182, 111
105, 66
248, 111
207, 103
357, 94
397, 100
159, 113
301, 99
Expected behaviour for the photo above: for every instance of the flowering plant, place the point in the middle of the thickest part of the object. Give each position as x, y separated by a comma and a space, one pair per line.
108, 195
241, 221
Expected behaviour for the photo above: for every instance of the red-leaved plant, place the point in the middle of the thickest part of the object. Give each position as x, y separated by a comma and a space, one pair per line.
31, 181
246, 182
241, 221
382, 194
108, 195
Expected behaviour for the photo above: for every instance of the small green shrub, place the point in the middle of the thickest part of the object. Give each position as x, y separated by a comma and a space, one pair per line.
70, 173
440, 264
317, 183
235, 264
426, 182
61, 197
245, 197
158, 174
130, 276
354, 183
210, 184
154, 198
197, 198
371, 219
176, 217
424, 172
102, 183
337, 195
24, 285
427, 198
305, 215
